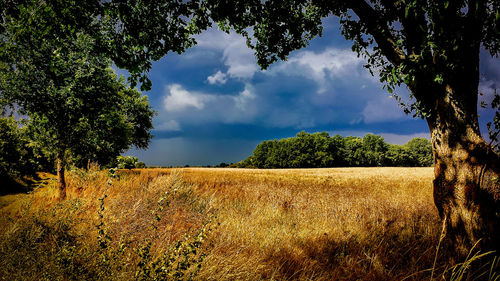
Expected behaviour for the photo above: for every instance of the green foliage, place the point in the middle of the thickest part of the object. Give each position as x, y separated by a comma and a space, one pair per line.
131, 33
182, 262
397, 155
420, 150
494, 126
19, 156
77, 107
320, 150
129, 162
14, 150
247, 163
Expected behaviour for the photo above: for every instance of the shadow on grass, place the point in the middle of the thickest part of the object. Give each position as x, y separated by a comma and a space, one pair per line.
385, 253
14, 186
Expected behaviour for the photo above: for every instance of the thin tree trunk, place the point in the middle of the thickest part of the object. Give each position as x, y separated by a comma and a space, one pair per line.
61, 181
466, 185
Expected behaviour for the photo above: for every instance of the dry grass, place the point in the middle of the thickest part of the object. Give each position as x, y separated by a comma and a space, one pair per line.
355, 223
304, 224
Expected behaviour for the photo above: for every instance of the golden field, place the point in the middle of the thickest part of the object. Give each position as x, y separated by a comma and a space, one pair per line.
243, 224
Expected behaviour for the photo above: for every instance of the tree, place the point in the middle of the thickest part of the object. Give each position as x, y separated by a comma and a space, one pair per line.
398, 156
432, 47
77, 107
420, 150
354, 152
337, 150
374, 148
319, 150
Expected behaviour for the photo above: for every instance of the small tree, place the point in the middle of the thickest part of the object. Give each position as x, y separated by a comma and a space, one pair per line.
75, 102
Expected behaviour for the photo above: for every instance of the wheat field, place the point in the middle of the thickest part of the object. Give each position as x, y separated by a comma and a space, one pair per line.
239, 224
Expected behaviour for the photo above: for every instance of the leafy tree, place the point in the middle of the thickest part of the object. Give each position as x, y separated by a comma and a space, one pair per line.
308, 150
431, 46
337, 151
420, 150
398, 155
247, 163
320, 150
77, 107
374, 149
354, 152
260, 154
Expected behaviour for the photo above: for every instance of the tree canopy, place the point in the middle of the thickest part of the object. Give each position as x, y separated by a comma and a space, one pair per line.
131, 33
78, 109
74, 99
319, 150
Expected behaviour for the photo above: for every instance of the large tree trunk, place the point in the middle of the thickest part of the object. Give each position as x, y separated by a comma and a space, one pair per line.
466, 184
61, 181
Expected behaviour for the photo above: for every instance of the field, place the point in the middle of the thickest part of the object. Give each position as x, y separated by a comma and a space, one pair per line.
225, 224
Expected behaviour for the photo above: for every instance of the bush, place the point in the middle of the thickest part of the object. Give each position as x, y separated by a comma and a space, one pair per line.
126, 162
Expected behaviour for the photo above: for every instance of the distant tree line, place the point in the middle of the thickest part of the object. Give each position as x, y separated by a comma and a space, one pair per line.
319, 150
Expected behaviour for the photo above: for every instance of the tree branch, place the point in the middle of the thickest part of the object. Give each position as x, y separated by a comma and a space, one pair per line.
415, 29
474, 21
379, 30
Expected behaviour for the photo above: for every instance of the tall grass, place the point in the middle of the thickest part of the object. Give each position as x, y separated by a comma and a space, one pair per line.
227, 224
105, 231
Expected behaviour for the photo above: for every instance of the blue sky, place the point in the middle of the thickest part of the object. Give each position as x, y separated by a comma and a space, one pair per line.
215, 104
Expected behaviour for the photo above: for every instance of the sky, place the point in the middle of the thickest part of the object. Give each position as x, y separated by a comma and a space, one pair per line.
215, 104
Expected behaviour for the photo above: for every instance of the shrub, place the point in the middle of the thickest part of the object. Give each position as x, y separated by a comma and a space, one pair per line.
126, 162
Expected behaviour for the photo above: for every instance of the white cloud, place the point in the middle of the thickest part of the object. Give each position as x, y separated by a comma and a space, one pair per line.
170, 125
196, 107
324, 67
179, 99
242, 99
238, 58
383, 109
217, 78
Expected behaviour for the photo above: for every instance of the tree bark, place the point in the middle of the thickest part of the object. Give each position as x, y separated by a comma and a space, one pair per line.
61, 181
466, 184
